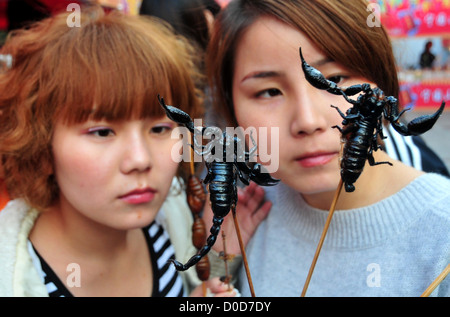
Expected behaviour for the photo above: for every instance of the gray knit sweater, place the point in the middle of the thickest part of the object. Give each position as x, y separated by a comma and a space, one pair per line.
395, 247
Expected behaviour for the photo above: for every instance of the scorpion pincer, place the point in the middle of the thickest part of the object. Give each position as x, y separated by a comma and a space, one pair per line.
363, 122
221, 178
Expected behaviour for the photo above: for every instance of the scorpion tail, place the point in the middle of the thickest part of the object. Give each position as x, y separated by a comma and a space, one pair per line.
177, 115
317, 79
183, 267
349, 187
217, 222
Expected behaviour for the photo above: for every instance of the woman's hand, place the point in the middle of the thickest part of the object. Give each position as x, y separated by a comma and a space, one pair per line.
214, 288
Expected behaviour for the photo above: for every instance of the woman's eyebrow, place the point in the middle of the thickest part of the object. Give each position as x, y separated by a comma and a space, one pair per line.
275, 74
321, 62
262, 74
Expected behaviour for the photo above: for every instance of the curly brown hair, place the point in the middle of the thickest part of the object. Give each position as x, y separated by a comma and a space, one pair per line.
112, 67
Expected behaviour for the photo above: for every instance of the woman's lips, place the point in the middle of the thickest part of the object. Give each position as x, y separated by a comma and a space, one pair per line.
139, 196
316, 159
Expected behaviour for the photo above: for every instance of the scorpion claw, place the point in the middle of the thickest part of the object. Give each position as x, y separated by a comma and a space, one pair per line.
317, 79
418, 125
262, 178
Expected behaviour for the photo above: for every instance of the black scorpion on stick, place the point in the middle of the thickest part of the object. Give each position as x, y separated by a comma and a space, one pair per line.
363, 122
222, 177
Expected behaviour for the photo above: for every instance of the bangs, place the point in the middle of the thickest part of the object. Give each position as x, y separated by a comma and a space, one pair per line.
115, 92
117, 74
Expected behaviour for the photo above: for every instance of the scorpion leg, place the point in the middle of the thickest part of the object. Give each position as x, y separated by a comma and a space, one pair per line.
340, 112
375, 145
372, 162
371, 159
339, 128
347, 117
239, 149
355, 89
206, 148
418, 125
348, 128
242, 170
255, 174
380, 129
252, 151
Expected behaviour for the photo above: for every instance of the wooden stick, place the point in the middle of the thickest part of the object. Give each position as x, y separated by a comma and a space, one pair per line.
192, 173
191, 163
322, 238
225, 260
244, 256
436, 282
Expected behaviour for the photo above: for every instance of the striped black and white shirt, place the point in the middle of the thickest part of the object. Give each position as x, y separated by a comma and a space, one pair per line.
166, 280
413, 151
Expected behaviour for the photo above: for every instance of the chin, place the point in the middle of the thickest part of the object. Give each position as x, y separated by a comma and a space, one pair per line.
138, 219
313, 185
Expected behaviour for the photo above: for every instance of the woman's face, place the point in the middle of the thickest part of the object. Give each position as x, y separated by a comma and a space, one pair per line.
270, 90
114, 173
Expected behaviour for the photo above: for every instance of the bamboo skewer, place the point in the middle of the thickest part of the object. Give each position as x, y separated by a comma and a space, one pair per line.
244, 256
226, 257
436, 282
322, 238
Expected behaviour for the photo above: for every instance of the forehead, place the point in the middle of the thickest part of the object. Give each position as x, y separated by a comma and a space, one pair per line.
271, 45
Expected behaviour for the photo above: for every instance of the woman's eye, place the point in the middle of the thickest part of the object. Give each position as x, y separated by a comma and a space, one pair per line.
337, 79
160, 129
101, 132
272, 92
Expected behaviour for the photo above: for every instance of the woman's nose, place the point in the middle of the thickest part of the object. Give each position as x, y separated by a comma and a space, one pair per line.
309, 116
136, 154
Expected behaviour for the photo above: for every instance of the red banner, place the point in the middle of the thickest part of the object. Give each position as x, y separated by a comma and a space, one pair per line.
414, 17
424, 95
